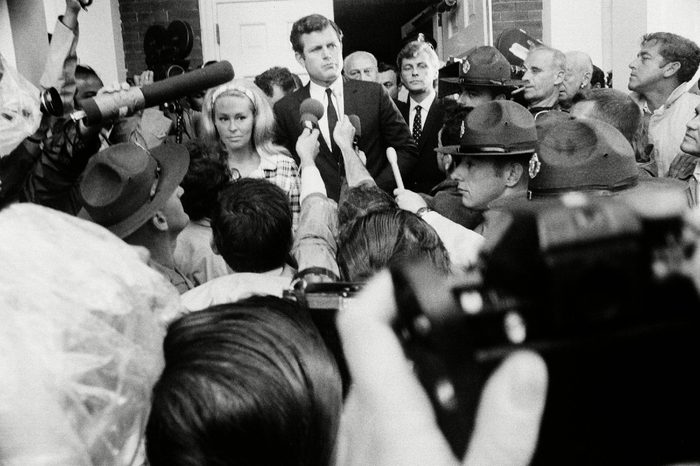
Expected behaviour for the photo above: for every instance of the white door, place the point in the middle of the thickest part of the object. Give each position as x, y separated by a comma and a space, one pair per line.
254, 35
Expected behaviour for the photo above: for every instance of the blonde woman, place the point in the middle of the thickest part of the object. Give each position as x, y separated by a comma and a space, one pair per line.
238, 125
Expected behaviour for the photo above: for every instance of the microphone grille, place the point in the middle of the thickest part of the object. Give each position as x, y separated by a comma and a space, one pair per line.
355, 120
311, 106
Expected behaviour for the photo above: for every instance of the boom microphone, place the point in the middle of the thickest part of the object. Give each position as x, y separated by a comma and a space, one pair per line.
112, 106
311, 110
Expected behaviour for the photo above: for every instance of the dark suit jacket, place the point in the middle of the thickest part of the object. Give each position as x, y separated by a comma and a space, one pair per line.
382, 126
425, 174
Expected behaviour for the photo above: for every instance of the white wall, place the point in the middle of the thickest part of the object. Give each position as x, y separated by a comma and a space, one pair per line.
574, 25
7, 45
100, 44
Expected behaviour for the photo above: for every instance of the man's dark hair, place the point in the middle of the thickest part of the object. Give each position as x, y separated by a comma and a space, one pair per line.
598, 78
384, 66
384, 238
202, 183
276, 75
250, 383
613, 107
677, 48
361, 200
252, 225
307, 25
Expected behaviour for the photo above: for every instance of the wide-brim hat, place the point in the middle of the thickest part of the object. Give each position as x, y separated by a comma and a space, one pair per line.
582, 155
588, 156
484, 66
496, 128
124, 185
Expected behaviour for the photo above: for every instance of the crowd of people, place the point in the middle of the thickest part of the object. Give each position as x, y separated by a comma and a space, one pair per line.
147, 318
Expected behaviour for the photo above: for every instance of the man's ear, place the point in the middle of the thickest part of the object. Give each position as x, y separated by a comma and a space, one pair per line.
513, 173
159, 221
586, 79
671, 68
300, 59
560, 77
212, 243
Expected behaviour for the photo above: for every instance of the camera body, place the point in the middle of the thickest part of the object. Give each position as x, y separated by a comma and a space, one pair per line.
597, 288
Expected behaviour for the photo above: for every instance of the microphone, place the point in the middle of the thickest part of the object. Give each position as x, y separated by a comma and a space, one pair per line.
311, 110
111, 106
355, 120
391, 155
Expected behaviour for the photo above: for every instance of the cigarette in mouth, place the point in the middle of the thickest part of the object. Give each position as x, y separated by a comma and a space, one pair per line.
518, 90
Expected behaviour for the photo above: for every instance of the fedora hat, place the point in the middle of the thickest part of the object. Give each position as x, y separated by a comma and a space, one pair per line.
484, 66
499, 127
124, 185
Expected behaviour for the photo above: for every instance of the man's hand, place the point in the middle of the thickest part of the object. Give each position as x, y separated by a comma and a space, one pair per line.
408, 200
388, 419
113, 88
143, 79
70, 16
307, 147
344, 133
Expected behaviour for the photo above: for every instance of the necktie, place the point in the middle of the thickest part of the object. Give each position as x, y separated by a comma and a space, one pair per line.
417, 130
332, 120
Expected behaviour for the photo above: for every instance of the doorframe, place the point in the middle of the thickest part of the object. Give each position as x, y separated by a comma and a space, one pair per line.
210, 49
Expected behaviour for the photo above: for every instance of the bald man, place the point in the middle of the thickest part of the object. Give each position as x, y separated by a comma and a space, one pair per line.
545, 68
579, 69
361, 66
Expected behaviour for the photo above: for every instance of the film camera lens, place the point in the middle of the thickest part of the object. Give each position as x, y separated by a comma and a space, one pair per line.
50, 102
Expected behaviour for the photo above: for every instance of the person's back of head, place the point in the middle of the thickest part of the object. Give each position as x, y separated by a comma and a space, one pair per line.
276, 76
611, 106
246, 383
361, 200
252, 225
384, 238
204, 179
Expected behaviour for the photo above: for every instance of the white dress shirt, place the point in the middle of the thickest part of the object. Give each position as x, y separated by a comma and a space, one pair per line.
319, 93
425, 108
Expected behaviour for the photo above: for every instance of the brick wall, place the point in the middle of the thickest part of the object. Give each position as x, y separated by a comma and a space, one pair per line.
138, 15
523, 14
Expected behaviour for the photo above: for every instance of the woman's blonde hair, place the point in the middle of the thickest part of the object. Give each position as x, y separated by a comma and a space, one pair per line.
263, 118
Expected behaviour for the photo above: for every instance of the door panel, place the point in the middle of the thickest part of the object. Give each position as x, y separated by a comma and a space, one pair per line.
254, 35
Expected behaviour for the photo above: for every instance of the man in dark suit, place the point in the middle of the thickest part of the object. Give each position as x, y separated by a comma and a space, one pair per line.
317, 43
418, 66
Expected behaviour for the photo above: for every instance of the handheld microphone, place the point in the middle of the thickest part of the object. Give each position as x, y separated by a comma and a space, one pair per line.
310, 110
112, 106
393, 161
355, 120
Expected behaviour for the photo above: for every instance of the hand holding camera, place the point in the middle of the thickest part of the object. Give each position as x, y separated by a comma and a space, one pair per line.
388, 418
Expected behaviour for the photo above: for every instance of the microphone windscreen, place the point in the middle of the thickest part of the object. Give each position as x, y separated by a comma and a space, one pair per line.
188, 83
312, 107
355, 120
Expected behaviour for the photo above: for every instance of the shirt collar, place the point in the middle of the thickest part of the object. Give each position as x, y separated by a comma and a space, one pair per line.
675, 95
319, 92
425, 105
